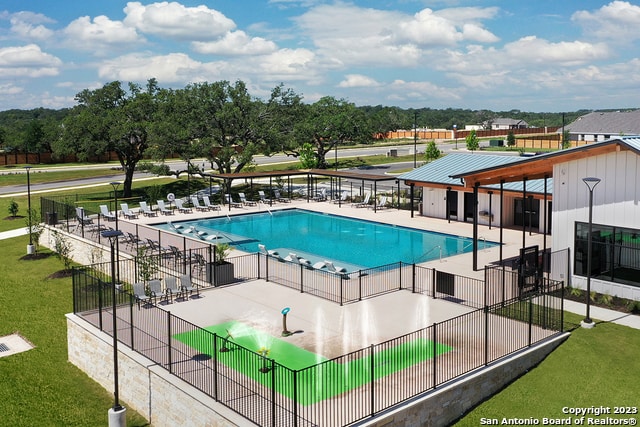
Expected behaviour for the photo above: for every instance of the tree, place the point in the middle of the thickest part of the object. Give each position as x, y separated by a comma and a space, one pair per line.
13, 208
432, 152
473, 143
511, 139
327, 124
566, 139
111, 119
307, 156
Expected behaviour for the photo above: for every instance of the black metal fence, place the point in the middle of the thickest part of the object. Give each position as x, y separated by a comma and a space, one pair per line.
506, 320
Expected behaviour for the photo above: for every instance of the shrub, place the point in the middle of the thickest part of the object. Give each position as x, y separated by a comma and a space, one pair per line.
13, 208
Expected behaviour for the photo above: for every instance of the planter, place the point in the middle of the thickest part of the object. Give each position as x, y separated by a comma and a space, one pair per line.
220, 274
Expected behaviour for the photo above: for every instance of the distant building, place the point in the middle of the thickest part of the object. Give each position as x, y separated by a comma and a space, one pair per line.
504, 123
601, 126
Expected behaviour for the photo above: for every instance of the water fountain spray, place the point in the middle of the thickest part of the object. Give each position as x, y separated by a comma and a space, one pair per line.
225, 341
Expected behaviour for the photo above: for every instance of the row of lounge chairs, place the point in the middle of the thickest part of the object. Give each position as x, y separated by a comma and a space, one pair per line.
325, 265
180, 288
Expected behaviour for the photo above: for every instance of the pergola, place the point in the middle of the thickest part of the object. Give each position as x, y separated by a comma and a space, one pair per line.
310, 175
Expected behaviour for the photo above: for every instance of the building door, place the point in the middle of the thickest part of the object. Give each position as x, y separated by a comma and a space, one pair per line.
452, 204
469, 207
531, 212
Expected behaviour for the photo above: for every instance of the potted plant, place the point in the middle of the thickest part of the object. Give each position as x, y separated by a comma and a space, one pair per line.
221, 268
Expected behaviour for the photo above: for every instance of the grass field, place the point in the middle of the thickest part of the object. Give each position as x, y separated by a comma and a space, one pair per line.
344, 376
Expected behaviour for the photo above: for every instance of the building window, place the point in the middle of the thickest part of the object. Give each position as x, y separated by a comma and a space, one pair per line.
615, 253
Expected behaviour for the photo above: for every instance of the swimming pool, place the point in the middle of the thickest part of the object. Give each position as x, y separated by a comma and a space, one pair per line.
353, 243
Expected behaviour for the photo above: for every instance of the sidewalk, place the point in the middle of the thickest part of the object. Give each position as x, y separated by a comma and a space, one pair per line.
13, 233
599, 314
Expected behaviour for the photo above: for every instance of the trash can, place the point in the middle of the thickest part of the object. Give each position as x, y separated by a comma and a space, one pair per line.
51, 218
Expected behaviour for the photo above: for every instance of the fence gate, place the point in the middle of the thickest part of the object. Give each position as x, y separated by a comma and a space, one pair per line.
528, 270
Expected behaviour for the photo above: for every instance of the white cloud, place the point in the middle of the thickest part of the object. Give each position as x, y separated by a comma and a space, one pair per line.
10, 89
618, 20
286, 65
171, 68
27, 61
236, 43
102, 33
28, 25
358, 80
534, 50
173, 20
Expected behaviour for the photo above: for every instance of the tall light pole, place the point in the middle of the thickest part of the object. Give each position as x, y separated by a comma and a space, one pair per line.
415, 139
591, 183
117, 414
115, 186
30, 248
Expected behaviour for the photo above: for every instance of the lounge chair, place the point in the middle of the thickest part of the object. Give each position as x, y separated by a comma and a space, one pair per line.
82, 218
321, 195
381, 204
144, 208
163, 209
263, 197
199, 262
155, 289
106, 214
244, 200
172, 287
263, 250
139, 293
208, 204
188, 286
343, 197
364, 203
181, 207
126, 212
196, 204
132, 240
155, 247
230, 201
303, 262
340, 271
276, 194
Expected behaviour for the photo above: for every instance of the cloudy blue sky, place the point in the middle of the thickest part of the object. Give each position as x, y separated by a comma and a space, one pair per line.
540, 55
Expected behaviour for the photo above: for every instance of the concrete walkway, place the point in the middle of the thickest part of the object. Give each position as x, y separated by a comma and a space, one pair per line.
13, 233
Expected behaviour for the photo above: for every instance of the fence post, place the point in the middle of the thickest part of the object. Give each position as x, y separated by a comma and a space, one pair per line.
486, 286
131, 303
530, 318
215, 366
486, 335
400, 274
413, 280
341, 291
359, 285
371, 380
169, 341
295, 398
273, 391
209, 266
435, 352
562, 308
433, 283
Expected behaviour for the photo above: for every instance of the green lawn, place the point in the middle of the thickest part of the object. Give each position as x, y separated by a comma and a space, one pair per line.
40, 387
594, 367
344, 376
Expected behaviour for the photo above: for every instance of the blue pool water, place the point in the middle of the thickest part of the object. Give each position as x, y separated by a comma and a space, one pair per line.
352, 243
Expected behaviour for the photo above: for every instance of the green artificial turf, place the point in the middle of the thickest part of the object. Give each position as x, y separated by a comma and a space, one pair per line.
327, 380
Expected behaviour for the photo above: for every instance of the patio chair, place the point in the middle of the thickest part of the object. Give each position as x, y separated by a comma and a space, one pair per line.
188, 286
181, 207
278, 197
364, 203
144, 208
244, 200
233, 204
263, 197
82, 218
196, 204
155, 247
381, 204
132, 240
163, 209
172, 287
302, 261
139, 293
126, 212
321, 195
340, 271
208, 204
199, 262
155, 290
343, 197
263, 250
106, 214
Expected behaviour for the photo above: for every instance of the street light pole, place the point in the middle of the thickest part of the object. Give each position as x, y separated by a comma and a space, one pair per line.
415, 139
117, 414
115, 186
30, 248
591, 183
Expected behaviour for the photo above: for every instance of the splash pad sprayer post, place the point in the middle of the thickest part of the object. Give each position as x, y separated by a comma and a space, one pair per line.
224, 347
285, 331
264, 352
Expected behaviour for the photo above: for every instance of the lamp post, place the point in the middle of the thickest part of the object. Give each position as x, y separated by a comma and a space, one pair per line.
30, 248
117, 414
415, 139
115, 186
455, 134
591, 183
